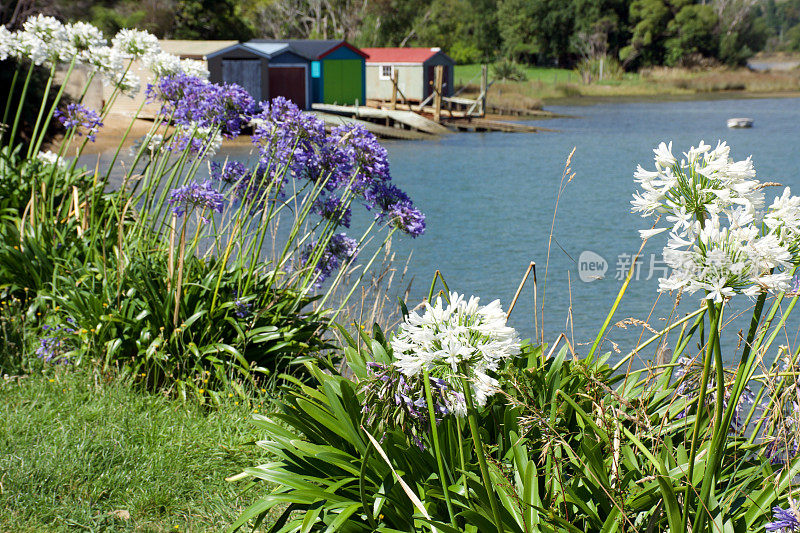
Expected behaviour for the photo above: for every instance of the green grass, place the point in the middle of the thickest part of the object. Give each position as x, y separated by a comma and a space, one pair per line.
77, 453
471, 74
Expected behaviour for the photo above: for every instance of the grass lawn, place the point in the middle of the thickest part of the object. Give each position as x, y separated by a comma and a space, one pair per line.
554, 85
80, 454
471, 74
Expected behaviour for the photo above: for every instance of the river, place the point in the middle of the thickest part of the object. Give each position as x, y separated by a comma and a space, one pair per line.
490, 198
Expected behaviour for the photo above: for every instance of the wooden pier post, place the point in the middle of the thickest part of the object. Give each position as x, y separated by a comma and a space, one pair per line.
484, 87
394, 89
438, 74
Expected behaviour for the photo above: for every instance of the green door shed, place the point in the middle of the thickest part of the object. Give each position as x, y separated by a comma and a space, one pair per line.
338, 69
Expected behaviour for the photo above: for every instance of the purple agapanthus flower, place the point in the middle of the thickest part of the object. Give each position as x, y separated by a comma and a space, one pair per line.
396, 208
189, 100
81, 118
360, 158
54, 345
783, 520
241, 308
332, 208
290, 140
229, 172
200, 195
248, 186
389, 392
340, 249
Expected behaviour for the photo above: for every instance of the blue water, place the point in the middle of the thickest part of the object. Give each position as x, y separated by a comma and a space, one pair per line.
490, 199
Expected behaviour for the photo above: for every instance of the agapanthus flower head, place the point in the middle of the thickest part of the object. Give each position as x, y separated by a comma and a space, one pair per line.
394, 400
202, 196
44, 40
333, 208
84, 36
253, 187
162, 64
192, 67
289, 139
196, 139
9, 47
784, 520
715, 207
50, 158
80, 118
135, 44
459, 339
359, 156
55, 344
396, 208
188, 99
340, 250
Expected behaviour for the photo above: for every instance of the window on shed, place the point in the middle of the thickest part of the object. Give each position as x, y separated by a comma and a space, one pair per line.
386, 72
316, 71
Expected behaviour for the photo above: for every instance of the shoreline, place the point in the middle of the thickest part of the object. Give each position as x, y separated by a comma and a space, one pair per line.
587, 100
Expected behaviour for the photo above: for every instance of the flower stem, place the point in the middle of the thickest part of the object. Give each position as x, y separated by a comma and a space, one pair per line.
476, 439
435, 440
713, 319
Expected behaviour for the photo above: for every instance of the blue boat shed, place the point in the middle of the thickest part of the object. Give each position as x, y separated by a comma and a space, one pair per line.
337, 68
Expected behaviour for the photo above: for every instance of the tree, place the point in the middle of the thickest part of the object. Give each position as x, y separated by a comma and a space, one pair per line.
209, 19
692, 33
532, 28
466, 29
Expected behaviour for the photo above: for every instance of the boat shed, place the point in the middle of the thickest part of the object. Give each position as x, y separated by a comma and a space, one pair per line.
415, 72
337, 68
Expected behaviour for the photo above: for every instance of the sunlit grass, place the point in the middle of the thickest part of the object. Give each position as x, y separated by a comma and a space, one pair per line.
78, 452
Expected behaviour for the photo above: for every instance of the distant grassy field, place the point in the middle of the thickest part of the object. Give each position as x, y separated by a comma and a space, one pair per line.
471, 74
79, 454
553, 85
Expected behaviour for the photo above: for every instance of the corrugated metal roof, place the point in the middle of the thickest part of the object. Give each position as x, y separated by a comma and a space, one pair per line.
193, 49
268, 49
400, 55
310, 48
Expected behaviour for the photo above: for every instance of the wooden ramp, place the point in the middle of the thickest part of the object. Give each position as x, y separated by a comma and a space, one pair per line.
407, 118
388, 132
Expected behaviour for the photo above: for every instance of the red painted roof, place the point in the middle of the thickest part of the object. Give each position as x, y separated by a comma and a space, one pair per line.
399, 55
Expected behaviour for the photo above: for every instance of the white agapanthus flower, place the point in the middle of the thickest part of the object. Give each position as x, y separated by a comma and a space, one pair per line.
460, 339
8, 44
84, 36
128, 82
162, 64
715, 206
44, 41
135, 44
192, 67
50, 158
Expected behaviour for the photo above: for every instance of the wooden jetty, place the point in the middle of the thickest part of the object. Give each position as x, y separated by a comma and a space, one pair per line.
387, 132
390, 116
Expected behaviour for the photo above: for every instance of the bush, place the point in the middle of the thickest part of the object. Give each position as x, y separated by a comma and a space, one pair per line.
507, 70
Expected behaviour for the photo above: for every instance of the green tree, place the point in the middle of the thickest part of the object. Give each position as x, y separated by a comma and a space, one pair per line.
466, 29
531, 28
210, 19
692, 32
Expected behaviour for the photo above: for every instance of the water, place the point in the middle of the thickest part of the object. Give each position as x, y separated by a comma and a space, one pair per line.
490, 199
